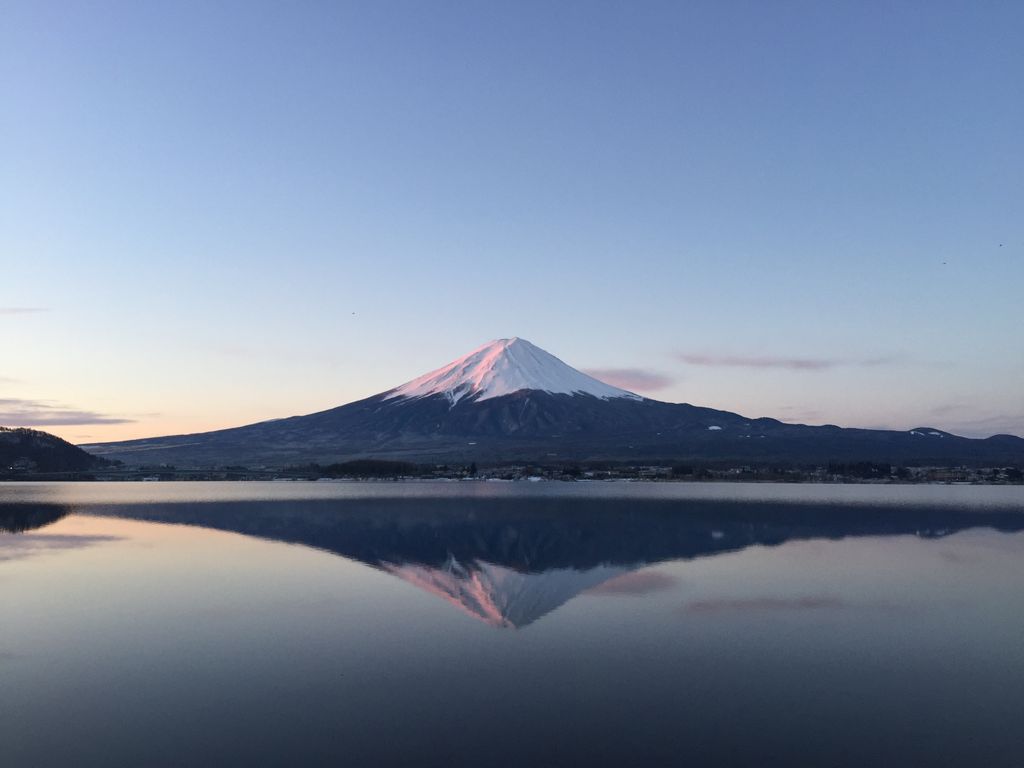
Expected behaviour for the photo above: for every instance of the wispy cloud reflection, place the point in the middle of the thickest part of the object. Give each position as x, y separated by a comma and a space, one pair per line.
780, 605
957, 557
636, 583
21, 545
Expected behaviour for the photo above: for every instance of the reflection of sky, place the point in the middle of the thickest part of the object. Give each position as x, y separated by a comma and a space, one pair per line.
14, 546
241, 644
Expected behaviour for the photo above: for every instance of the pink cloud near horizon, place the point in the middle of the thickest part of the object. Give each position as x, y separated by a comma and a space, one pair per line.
631, 378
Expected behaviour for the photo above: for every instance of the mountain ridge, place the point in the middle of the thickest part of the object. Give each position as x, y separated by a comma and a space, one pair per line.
24, 450
465, 412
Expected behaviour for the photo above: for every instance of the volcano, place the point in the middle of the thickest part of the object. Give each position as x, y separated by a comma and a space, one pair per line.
510, 401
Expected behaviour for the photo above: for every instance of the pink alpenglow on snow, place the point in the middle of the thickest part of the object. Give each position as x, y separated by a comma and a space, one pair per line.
502, 367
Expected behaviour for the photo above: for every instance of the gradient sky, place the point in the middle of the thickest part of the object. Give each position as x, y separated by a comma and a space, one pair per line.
213, 213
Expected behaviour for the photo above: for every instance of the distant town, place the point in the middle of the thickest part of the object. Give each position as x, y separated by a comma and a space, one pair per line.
370, 470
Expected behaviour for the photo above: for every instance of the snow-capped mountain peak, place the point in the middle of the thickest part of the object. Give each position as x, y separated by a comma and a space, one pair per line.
504, 366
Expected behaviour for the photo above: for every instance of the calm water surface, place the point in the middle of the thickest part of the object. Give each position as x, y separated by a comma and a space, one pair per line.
510, 624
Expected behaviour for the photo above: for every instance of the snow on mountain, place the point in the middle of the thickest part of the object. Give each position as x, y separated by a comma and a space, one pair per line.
502, 367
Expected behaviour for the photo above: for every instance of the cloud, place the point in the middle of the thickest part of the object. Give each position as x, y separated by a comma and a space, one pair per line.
787, 363
959, 419
631, 378
15, 412
22, 310
799, 414
638, 583
877, 362
986, 426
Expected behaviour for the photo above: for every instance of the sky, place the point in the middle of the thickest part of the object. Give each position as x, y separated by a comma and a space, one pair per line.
214, 213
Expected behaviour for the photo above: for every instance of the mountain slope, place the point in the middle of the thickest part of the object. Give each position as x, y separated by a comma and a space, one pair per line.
511, 401
28, 450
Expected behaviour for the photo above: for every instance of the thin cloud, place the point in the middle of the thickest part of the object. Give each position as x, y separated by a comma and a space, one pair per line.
958, 420
631, 378
22, 310
986, 426
16, 412
942, 410
786, 363
800, 414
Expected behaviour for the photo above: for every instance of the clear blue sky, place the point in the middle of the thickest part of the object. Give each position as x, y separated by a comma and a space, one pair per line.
231, 211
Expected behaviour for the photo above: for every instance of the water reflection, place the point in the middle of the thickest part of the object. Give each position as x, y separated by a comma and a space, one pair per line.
324, 632
509, 562
18, 518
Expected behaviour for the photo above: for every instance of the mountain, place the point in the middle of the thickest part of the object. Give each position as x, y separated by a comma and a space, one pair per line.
512, 401
504, 367
28, 450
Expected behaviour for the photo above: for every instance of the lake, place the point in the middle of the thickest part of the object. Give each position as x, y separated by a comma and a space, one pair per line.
527, 624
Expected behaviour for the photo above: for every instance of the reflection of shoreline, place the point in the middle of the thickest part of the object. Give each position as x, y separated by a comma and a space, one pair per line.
20, 518
509, 561
530, 534
352, 493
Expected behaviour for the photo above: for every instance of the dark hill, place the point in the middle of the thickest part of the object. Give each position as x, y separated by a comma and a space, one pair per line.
24, 451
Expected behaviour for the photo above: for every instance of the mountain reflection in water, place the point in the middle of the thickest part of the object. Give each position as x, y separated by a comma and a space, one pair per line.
509, 562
